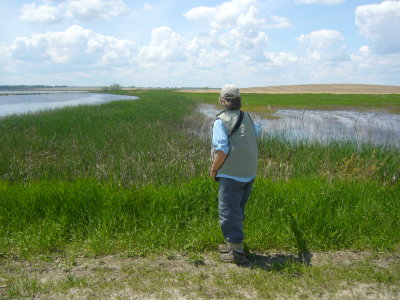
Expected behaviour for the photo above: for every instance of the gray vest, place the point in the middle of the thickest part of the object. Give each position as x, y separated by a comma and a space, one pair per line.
243, 151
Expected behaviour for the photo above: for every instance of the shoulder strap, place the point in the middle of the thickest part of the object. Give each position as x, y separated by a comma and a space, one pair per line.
237, 125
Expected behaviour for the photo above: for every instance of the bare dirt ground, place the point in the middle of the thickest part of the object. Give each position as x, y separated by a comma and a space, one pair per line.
181, 276
312, 89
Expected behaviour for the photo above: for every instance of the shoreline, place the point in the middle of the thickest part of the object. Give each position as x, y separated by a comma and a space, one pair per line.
278, 89
311, 89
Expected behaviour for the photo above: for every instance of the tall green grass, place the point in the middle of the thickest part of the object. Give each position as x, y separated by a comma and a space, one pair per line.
281, 159
131, 177
131, 142
299, 215
264, 102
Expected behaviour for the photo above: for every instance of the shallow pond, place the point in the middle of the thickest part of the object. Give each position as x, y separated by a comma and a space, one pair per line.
26, 103
377, 128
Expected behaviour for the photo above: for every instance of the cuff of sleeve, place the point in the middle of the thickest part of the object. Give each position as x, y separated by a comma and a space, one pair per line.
221, 148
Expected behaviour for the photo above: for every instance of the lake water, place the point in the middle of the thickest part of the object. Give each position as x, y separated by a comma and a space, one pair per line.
27, 102
377, 128
26, 92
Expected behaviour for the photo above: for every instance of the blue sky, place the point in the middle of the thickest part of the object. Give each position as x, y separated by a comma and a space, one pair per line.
170, 43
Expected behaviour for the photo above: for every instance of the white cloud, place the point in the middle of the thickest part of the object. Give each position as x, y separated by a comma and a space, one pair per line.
365, 66
40, 13
249, 45
200, 13
321, 38
216, 49
210, 59
324, 45
249, 19
74, 46
208, 51
366, 58
237, 38
376, 67
84, 10
230, 44
234, 28
281, 58
233, 13
30, 49
165, 45
278, 22
78, 10
380, 23
328, 2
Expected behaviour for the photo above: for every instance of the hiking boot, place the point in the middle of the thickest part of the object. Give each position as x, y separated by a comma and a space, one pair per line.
236, 257
224, 248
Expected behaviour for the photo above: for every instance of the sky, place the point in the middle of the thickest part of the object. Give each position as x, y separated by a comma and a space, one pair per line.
171, 43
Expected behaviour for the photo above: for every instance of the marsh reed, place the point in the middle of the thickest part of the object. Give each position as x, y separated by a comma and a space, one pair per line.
131, 177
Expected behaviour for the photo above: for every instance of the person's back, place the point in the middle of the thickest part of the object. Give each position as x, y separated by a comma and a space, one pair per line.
234, 167
243, 150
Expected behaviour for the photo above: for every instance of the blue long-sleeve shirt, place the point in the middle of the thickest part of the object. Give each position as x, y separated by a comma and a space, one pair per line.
220, 142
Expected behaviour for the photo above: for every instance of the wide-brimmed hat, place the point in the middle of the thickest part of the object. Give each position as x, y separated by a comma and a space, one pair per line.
229, 91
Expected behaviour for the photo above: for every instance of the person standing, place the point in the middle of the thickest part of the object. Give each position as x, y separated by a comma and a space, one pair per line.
234, 166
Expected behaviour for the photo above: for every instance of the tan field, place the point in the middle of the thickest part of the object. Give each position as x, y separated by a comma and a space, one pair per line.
279, 89
314, 89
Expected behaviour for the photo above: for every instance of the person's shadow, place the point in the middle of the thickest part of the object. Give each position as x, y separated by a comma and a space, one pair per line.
280, 261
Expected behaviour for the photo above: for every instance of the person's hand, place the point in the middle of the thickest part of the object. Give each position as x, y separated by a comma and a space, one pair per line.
219, 159
213, 174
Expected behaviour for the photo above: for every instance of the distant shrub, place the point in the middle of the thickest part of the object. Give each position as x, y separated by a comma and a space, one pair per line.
113, 87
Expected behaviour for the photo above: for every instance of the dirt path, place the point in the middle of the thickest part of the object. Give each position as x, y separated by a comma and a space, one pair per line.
321, 275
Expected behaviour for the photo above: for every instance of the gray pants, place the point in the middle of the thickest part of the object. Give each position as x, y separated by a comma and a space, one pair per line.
233, 196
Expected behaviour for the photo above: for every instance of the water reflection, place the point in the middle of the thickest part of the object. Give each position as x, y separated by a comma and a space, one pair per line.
323, 126
19, 104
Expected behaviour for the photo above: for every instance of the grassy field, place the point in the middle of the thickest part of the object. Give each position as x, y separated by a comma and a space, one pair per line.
128, 180
130, 142
266, 102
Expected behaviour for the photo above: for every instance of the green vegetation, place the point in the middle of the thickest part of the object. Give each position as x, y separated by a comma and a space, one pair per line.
268, 102
112, 88
134, 173
124, 142
298, 215
129, 178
